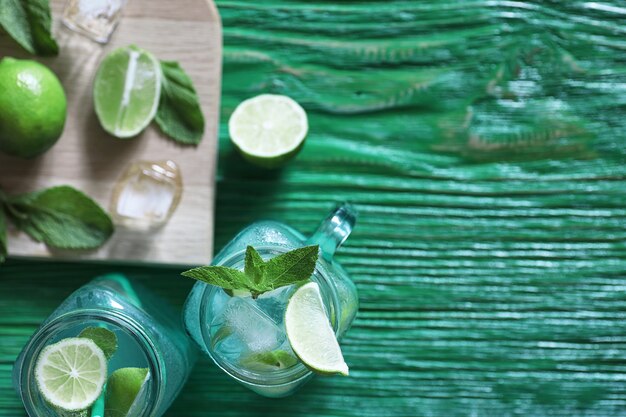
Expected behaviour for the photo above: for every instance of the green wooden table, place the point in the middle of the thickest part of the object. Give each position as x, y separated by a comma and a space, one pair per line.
483, 143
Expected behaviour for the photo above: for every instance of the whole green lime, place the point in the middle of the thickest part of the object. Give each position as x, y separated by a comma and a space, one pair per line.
33, 108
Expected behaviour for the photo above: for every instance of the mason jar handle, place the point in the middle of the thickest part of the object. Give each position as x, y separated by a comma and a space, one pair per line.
334, 230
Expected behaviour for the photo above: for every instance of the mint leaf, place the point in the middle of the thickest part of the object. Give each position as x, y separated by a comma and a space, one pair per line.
255, 265
221, 276
104, 338
179, 115
62, 217
291, 267
3, 234
29, 22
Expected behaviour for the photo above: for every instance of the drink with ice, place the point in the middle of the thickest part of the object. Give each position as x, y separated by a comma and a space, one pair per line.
149, 335
244, 328
245, 335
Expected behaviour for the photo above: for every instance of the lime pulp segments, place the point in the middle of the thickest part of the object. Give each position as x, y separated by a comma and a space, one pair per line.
310, 334
127, 90
70, 374
123, 394
268, 129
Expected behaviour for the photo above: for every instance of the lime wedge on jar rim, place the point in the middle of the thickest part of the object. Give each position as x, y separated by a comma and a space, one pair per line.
310, 334
268, 130
126, 91
70, 374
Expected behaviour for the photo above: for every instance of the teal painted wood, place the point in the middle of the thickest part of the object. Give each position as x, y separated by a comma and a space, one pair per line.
483, 144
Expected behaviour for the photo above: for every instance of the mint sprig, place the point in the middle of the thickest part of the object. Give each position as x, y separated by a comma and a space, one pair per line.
29, 23
179, 114
61, 217
260, 276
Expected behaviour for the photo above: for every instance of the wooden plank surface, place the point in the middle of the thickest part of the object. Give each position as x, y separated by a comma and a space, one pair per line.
91, 160
483, 144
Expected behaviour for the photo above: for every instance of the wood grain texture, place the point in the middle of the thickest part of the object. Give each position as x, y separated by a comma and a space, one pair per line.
483, 144
91, 160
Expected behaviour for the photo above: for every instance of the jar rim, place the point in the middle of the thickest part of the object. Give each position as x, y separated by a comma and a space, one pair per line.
27, 385
276, 378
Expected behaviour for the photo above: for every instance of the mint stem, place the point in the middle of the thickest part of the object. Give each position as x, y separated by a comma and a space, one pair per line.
13, 211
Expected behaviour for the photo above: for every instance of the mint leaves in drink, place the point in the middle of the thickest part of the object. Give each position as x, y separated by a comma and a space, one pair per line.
29, 23
220, 276
260, 276
104, 338
254, 265
61, 217
291, 267
179, 114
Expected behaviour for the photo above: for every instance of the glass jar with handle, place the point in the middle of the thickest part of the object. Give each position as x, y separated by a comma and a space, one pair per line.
245, 336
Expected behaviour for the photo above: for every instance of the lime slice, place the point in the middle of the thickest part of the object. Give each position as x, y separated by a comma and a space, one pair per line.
311, 336
124, 389
126, 91
268, 129
70, 374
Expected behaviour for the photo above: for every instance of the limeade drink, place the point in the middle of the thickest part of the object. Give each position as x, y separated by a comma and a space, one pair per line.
245, 334
243, 330
112, 325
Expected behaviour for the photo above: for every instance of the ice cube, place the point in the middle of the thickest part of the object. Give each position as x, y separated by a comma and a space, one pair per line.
273, 303
147, 194
95, 19
255, 331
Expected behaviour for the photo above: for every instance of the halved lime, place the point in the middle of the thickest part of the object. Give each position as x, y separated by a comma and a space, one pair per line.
268, 129
309, 331
70, 374
126, 91
123, 396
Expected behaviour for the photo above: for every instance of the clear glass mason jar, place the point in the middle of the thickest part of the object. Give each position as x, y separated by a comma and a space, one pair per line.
206, 303
150, 335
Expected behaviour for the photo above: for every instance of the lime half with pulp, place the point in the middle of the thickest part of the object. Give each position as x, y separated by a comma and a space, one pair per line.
70, 374
310, 334
124, 392
126, 91
268, 129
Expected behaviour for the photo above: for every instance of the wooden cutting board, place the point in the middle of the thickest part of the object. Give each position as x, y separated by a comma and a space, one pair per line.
86, 157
